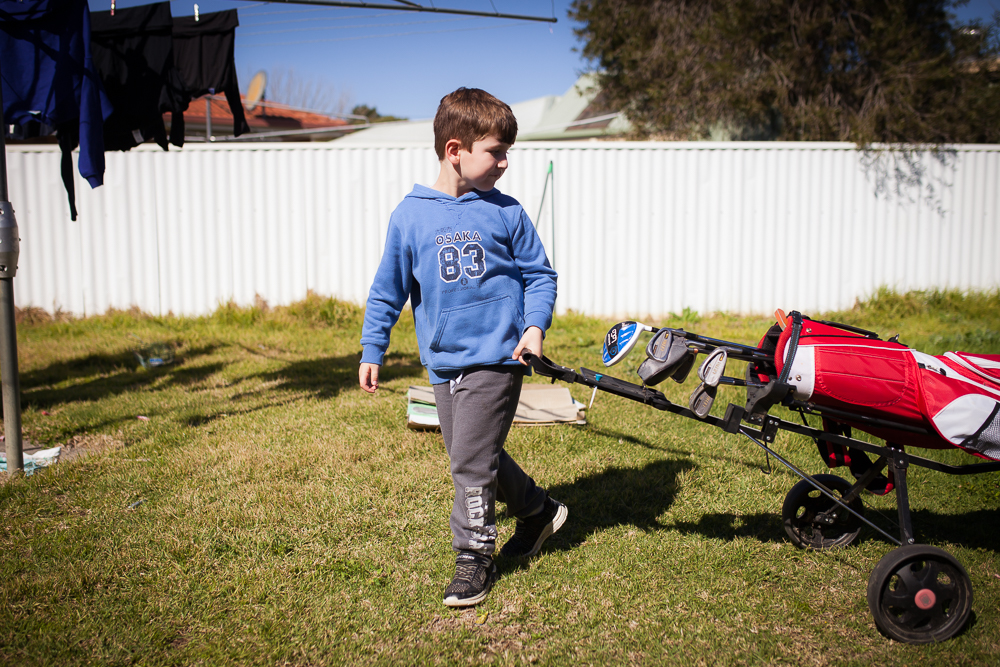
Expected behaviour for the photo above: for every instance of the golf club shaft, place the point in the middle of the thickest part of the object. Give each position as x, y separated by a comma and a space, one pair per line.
737, 351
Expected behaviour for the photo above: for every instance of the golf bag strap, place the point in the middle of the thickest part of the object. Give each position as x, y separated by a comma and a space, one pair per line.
792, 346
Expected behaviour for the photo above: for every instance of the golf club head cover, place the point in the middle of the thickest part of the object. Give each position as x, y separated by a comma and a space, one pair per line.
702, 399
665, 354
687, 363
620, 340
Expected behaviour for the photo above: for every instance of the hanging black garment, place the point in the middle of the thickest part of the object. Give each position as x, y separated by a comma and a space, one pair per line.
204, 51
133, 52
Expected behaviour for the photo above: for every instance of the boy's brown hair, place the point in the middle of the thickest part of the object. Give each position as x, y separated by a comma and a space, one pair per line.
471, 114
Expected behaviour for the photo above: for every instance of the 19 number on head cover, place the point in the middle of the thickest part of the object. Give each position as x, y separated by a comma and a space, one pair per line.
618, 338
450, 259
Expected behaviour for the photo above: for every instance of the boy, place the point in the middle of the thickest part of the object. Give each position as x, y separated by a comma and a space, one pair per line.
482, 291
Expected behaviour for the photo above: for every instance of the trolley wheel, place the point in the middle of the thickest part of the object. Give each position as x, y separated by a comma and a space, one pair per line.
919, 594
813, 521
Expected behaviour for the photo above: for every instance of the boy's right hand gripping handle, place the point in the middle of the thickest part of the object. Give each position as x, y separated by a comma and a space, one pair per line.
546, 367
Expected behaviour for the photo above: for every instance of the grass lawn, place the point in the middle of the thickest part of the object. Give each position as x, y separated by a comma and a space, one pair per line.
265, 511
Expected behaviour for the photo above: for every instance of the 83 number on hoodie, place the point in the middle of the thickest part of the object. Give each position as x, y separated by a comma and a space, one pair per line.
450, 257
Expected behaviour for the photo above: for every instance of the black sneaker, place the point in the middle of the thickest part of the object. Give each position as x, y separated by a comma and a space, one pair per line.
530, 532
475, 575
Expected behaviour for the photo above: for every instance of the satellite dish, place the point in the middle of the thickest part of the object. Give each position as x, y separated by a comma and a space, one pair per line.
255, 91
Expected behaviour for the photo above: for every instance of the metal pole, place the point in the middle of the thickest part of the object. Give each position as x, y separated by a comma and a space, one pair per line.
9, 250
819, 487
552, 202
208, 117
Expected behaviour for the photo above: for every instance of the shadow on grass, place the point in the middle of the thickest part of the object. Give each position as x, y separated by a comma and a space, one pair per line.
116, 375
321, 378
617, 497
209, 418
613, 497
970, 529
975, 529
727, 526
679, 451
326, 377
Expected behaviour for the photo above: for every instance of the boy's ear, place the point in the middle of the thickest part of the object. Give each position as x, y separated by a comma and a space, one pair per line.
451, 150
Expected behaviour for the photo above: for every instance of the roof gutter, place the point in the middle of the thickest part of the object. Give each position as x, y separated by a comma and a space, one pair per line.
251, 136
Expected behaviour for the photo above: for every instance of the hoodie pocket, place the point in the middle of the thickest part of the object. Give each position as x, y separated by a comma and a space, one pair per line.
477, 333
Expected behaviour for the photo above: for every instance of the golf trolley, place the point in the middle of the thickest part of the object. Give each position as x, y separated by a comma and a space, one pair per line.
851, 379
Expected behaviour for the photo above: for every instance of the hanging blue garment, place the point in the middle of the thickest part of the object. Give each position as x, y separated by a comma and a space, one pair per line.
49, 78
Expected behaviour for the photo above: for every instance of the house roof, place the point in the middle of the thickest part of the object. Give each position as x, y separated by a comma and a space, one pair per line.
580, 113
577, 114
266, 117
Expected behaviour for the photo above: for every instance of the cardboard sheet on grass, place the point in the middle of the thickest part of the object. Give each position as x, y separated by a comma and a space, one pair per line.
540, 405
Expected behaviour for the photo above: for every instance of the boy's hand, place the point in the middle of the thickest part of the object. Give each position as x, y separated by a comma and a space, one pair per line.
532, 341
368, 377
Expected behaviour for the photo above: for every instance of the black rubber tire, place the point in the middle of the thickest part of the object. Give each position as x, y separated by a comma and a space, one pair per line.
805, 502
919, 594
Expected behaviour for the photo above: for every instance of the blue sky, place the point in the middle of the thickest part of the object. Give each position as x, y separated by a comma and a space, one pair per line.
404, 62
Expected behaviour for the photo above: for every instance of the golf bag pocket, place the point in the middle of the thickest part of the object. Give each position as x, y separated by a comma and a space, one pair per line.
986, 442
971, 421
862, 375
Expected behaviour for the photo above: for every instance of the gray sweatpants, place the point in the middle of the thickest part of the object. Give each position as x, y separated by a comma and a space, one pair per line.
475, 420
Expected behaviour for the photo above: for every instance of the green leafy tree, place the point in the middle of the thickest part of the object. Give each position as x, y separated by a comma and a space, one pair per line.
372, 114
889, 71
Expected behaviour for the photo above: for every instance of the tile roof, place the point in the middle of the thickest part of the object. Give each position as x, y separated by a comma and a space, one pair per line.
266, 117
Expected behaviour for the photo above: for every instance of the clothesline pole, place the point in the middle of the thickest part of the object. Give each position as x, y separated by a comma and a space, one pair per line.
9, 376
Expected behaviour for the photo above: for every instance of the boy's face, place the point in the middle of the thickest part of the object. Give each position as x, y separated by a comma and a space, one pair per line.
483, 165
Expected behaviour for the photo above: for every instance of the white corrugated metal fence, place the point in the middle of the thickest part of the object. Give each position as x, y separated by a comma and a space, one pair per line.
632, 228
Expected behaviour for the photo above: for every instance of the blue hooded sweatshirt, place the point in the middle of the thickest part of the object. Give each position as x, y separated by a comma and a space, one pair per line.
476, 275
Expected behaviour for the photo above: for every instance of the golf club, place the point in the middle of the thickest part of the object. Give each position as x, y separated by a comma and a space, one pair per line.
712, 369
620, 340
667, 355
702, 399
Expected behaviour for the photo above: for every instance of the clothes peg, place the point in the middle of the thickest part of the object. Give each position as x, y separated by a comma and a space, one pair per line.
196, 17
112, 7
